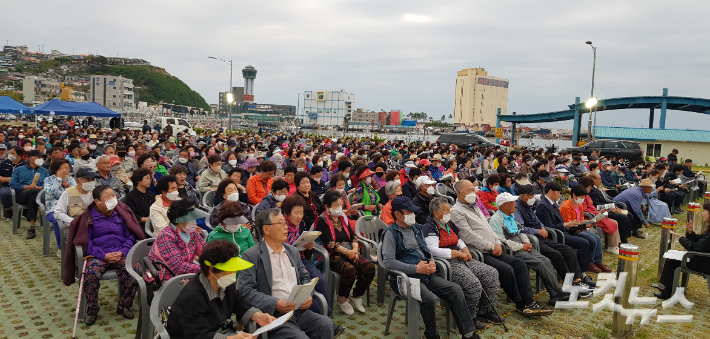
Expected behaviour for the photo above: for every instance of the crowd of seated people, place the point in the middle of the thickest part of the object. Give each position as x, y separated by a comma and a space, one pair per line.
438, 201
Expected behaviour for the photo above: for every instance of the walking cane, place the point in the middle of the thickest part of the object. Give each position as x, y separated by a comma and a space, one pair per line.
78, 300
502, 321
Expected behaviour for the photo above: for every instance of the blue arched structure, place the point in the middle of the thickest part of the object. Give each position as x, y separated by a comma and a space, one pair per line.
664, 102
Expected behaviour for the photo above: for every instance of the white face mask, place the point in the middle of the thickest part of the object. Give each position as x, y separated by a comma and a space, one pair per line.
88, 186
233, 197
531, 202
495, 188
11, 157
336, 211
300, 169
131, 153
445, 218
320, 163
232, 162
172, 195
92, 147
110, 203
471, 198
410, 219
190, 226
39, 162
340, 190
399, 182
280, 197
368, 180
347, 175
430, 190
227, 280
232, 228
579, 201
28, 148
182, 160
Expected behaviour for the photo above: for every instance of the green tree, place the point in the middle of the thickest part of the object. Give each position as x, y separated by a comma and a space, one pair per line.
443, 118
17, 96
97, 63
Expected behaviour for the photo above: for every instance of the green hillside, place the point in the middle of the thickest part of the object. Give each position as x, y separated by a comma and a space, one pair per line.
156, 85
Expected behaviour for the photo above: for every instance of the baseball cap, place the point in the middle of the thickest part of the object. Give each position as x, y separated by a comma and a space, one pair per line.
605, 163
85, 173
366, 173
410, 164
505, 197
403, 203
3, 146
547, 178
562, 169
585, 159
424, 162
525, 189
424, 180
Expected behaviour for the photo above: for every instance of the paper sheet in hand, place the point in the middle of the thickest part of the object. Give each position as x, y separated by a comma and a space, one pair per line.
675, 255
36, 179
414, 287
305, 238
274, 324
300, 293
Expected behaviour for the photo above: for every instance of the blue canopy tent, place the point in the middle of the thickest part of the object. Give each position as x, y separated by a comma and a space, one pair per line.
9, 105
59, 107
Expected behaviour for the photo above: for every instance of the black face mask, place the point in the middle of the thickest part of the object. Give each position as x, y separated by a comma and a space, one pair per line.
85, 157
380, 174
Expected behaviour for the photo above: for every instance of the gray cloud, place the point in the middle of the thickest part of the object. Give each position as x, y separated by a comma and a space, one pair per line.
368, 48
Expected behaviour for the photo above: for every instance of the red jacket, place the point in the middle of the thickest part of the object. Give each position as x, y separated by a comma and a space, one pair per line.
488, 199
79, 236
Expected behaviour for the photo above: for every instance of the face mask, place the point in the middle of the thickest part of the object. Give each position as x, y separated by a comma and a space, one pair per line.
233, 197
88, 186
399, 182
430, 190
39, 162
300, 169
232, 228
172, 195
227, 280
251, 155
410, 219
114, 168
280, 197
132, 153
579, 201
471, 198
28, 148
495, 188
340, 190
320, 163
347, 175
336, 211
20, 136
85, 157
11, 157
445, 218
92, 147
531, 202
110, 203
211, 152
183, 160
232, 162
190, 227
368, 180
192, 154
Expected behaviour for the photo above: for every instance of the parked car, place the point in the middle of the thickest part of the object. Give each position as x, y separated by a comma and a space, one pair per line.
179, 125
630, 150
464, 140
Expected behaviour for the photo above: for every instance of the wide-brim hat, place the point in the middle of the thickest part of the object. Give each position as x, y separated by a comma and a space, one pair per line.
192, 215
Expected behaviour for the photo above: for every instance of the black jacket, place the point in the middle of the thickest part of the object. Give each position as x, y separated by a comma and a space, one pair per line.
697, 243
193, 315
409, 190
549, 215
423, 203
309, 215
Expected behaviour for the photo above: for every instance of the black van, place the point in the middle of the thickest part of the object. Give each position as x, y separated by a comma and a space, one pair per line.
464, 140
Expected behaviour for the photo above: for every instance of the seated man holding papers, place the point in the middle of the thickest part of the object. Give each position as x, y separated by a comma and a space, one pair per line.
277, 270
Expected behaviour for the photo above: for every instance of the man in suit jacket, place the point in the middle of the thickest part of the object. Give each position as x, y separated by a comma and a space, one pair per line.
548, 212
277, 270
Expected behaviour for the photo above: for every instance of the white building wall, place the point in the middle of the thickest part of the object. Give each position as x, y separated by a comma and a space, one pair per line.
326, 108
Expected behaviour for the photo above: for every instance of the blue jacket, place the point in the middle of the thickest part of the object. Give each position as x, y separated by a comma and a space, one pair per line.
24, 175
549, 215
606, 179
632, 197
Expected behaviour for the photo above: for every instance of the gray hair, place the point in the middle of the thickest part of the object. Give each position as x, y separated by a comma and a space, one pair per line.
103, 157
457, 185
436, 202
391, 187
264, 218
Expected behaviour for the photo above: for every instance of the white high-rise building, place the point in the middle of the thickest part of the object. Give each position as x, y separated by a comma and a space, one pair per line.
326, 108
113, 92
478, 97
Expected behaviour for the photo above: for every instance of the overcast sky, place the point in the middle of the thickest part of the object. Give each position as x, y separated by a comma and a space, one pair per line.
397, 54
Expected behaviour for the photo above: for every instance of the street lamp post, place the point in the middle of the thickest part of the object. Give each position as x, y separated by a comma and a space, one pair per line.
594, 69
229, 122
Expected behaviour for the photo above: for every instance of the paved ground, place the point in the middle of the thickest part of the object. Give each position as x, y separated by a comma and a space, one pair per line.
35, 304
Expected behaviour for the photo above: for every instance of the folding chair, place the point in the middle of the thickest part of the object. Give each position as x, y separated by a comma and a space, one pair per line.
16, 212
163, 299
108, 275
136, 255
371, 230
47, 227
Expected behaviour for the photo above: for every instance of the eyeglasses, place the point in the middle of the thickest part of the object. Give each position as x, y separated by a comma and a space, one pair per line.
283, 223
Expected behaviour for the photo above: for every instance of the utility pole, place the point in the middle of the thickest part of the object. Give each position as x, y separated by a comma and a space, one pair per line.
594, 69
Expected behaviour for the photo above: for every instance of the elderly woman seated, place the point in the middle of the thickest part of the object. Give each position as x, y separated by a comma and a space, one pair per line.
179, 244
106, 232
233, 226
229, 192
336, 232
204, 307
279, 191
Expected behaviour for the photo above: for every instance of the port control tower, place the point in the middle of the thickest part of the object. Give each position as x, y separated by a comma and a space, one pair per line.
249, 74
